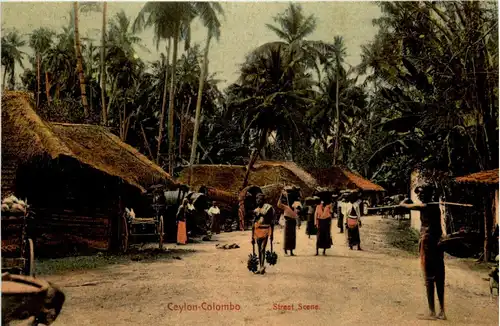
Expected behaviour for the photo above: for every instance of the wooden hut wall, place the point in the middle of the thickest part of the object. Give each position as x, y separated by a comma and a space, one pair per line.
9, 168
73, 204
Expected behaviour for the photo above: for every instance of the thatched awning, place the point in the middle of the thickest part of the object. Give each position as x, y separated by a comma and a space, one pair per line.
25, 135
230, 177
485, 177
342, 179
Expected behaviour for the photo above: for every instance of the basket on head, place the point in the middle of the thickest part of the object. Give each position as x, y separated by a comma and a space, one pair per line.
252, 263
271, 257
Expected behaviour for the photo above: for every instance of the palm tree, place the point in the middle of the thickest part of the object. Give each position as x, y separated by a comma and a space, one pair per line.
60, 60
170, 20
11, 54
208, 13
275, 90
340, 53
293, 25
102, 76
40, 41
79, 61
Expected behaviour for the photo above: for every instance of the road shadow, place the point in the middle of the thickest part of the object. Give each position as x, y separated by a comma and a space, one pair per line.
104, 259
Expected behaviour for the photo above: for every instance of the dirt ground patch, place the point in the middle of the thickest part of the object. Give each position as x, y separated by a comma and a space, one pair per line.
380, 285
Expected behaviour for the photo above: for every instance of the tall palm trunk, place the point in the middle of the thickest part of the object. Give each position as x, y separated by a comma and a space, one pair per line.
38, 82
171, 140
163, 105
79, 63
4, 77
184, 120
47, 87
103, 65
203, 74
254, 156
337, 121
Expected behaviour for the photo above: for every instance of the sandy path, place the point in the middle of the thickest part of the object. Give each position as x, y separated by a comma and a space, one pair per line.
370, 287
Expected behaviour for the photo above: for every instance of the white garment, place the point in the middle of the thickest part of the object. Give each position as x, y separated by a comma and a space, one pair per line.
345, 208
213, 211
355, 205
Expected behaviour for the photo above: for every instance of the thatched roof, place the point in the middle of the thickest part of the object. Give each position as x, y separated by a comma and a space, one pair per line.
230, 177
27, 135
342, 178
486, 177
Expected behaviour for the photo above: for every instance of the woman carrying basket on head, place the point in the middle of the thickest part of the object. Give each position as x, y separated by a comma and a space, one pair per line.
291, 221
323, 222
353, 222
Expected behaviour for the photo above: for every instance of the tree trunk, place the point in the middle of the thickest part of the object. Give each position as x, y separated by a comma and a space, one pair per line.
103, 65
146, 143
38, 81
4, 77
337, 121
163, 105
47, 87
203, 73
184, 120
254, 156
171, 140
181, 119
79, 64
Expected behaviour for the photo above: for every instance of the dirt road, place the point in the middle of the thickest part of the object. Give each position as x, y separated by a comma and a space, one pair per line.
377, 286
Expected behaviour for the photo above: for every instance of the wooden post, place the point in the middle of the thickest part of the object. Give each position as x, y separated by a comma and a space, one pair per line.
115, 227
488, 205
495, 209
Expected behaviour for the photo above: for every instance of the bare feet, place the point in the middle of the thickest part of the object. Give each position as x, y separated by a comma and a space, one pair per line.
429, 316
442, 315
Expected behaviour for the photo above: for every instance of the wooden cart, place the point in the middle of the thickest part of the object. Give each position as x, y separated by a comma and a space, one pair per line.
135, 227
18, 251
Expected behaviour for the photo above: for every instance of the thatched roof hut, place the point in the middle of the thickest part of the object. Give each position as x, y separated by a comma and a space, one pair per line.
342, 179
230, 177
26, 136
485, 183
77, 178
489, 177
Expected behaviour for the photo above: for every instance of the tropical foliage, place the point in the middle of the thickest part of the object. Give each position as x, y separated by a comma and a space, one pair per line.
425, 94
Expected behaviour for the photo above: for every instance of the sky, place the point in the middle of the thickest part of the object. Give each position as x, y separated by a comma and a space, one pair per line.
243, 27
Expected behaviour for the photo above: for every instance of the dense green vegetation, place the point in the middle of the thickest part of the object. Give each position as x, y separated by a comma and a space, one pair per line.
429, 96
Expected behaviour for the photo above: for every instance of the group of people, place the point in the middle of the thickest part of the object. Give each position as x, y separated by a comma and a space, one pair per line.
348, 207
319, 222
181, 220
